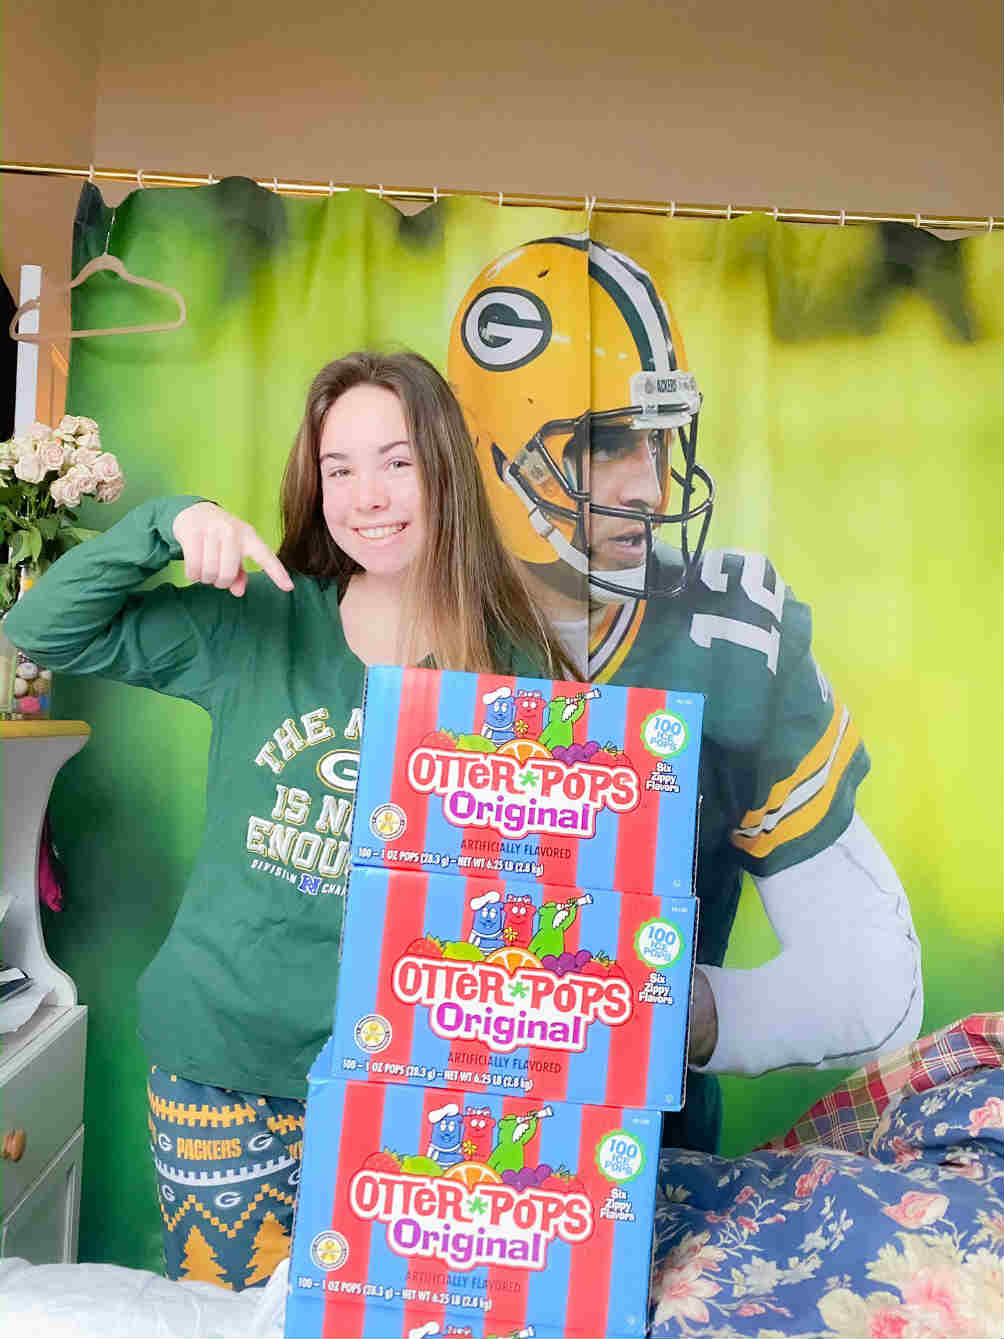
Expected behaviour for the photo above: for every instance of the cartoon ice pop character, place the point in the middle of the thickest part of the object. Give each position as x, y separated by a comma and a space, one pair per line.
479, 1124
444, 1142
529, 713
486, 932
562, 713
518, 929
554, 919
500, 713
513, 1133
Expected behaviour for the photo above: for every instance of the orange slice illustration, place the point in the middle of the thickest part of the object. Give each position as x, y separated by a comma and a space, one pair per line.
472, 1174
524, 749
512, 958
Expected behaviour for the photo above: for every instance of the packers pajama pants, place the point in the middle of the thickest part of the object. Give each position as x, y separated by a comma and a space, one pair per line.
228, 1167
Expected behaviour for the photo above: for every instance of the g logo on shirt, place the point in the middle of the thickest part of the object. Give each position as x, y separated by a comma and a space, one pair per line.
340, 770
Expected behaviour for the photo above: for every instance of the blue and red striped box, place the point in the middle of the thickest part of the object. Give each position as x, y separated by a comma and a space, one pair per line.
563, 994
397, 1233
537, 780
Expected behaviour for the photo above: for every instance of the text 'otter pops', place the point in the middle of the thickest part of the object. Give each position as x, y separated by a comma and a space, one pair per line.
538, 780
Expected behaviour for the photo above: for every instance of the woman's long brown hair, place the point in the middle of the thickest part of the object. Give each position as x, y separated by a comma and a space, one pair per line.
465, 592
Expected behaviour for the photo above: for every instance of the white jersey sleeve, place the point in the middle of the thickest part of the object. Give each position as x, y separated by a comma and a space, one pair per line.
845, 987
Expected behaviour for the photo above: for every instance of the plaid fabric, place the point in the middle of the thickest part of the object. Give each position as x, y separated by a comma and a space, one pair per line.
846, 1117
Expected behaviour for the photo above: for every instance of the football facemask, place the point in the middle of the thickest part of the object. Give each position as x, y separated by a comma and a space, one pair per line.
561, 500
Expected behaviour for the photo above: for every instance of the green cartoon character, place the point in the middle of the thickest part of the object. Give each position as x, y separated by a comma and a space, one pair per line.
554, 919
512, 1133
562, 713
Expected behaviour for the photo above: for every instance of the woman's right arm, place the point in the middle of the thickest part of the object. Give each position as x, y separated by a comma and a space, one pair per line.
86, 614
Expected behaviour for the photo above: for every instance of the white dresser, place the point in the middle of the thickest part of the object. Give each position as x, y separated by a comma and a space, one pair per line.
42, 1061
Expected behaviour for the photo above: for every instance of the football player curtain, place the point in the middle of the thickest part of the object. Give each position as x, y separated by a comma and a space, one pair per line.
686, 429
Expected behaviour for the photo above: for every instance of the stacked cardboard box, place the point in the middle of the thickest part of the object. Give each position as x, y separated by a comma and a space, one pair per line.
483, 1125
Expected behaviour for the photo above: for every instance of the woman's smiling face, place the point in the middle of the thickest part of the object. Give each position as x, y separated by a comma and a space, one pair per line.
371, 489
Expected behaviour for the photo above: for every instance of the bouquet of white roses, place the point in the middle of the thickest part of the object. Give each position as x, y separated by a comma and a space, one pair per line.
44, 474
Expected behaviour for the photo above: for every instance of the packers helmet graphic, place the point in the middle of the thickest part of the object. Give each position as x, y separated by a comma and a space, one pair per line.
563, 357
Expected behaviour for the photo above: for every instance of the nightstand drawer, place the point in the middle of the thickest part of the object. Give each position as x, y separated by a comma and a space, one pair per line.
41, 1093
42, 1228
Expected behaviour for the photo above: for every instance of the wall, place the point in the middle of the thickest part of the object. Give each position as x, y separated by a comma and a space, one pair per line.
881, 106
877, 106
891, 105
49, 106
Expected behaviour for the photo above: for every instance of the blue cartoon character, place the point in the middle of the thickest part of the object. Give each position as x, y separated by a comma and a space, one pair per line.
500, 715
446, 1137
486, 932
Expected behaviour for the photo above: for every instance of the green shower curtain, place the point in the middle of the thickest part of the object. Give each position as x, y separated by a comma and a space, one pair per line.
850, 420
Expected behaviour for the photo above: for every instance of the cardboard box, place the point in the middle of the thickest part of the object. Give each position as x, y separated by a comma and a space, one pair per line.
397, 1233
562, 994
537, 780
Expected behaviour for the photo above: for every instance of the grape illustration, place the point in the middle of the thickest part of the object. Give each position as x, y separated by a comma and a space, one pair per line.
550, 962
581, 958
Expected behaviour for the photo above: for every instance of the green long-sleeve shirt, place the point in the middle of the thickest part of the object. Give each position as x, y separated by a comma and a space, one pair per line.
241, 993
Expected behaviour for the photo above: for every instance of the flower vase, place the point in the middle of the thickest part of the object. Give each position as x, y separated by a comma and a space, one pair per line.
44, 475
32, 691
8, 675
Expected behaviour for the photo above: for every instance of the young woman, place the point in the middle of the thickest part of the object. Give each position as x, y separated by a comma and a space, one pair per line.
389, 554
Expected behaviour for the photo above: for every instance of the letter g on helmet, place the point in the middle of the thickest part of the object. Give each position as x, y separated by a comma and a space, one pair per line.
505, 328
546, 356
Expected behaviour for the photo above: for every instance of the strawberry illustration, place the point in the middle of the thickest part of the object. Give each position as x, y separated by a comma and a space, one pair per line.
564, 1182
384, 1161
426, 947
611, 756
601, 965
439, 739
602, 758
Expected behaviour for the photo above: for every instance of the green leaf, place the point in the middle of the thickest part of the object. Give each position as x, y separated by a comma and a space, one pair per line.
34, 543
20, 547
49, 526
79, 534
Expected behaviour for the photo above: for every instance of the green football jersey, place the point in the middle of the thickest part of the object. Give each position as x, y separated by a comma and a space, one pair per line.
781, 758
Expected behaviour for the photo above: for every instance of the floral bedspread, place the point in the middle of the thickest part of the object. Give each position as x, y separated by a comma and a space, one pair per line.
895, 1230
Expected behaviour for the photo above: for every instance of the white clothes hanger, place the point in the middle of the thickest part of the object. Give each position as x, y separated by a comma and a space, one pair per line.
103, 262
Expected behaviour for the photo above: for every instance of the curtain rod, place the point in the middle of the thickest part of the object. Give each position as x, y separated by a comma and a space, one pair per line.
590, 203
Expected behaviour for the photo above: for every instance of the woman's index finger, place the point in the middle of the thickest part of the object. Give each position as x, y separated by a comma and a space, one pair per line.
268, 562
